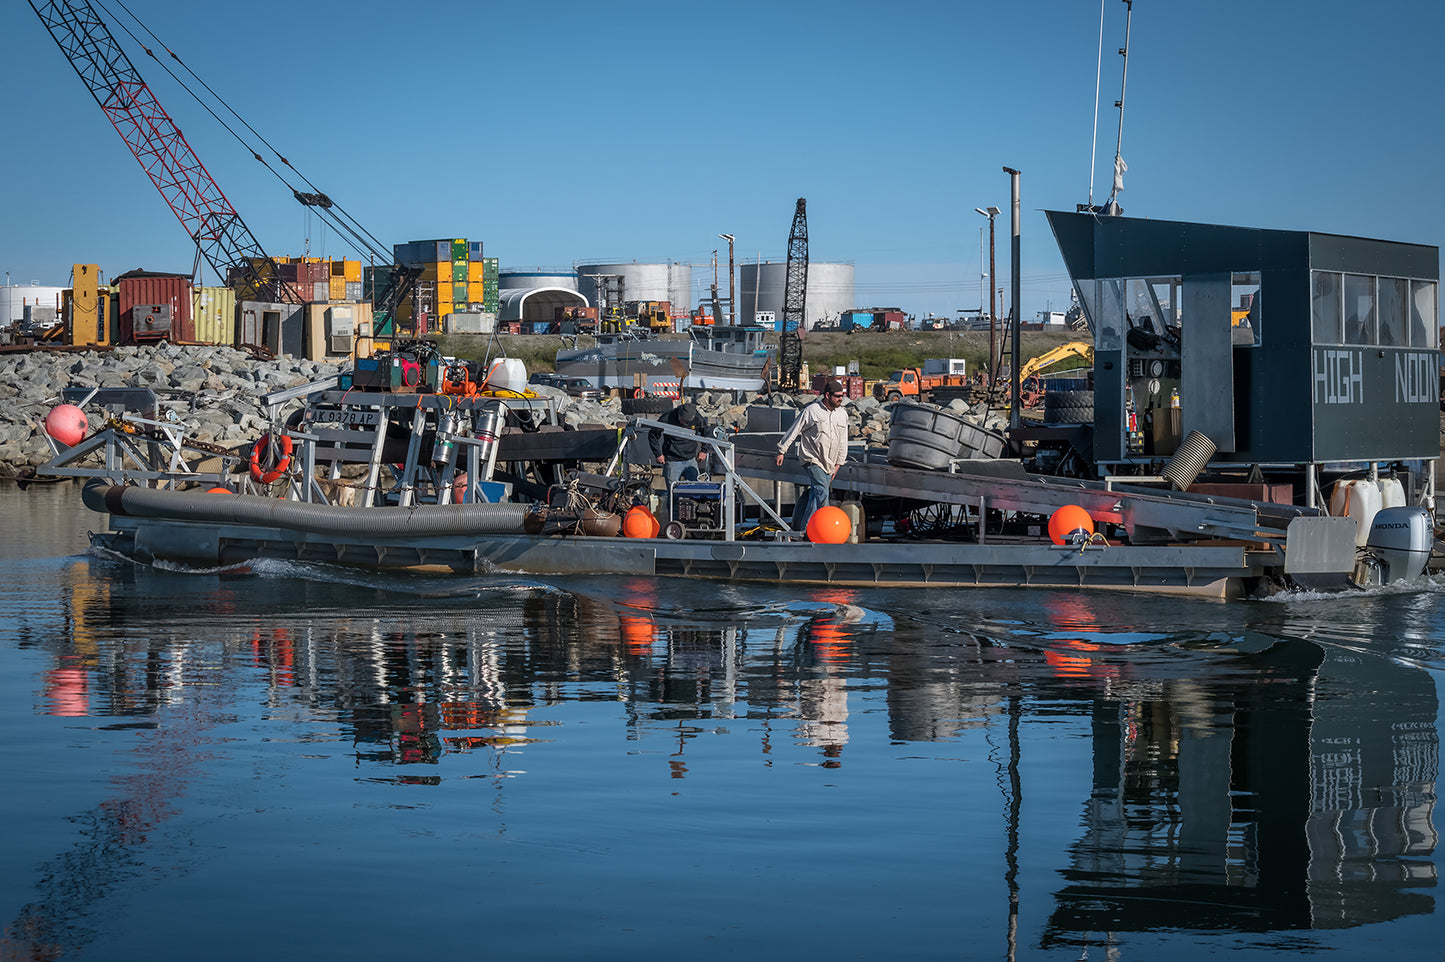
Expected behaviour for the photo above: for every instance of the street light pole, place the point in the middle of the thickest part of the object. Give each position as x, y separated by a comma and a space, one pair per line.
732, 310
991, 213
1016, 285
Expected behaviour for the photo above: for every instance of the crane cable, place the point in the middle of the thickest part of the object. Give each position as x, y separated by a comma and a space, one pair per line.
342, 220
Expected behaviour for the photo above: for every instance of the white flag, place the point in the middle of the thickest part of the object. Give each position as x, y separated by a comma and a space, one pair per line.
1119, 168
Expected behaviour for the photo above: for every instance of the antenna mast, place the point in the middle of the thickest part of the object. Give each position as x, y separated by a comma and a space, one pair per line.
1098, 73
1112, 208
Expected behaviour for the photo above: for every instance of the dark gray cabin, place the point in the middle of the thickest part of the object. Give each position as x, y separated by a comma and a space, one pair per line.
1281, 347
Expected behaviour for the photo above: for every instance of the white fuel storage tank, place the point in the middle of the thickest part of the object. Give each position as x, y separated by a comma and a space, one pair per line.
640, 282
761, 287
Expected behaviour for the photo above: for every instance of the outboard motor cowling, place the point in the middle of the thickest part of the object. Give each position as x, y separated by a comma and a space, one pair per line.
1400, 541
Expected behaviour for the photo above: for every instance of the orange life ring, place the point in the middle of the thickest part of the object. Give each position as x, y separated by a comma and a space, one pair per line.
638, 392
264, 474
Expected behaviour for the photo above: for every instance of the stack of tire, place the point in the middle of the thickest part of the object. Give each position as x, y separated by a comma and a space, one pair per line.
1069, 407
653, 404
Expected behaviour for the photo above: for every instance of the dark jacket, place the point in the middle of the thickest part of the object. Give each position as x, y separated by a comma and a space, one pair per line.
673, 448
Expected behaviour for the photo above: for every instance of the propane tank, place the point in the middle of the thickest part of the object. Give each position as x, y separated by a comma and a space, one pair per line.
442, 447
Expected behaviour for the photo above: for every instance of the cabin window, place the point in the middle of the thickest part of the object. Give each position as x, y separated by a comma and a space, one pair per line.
1245, 314
1424, 319
1390, 298
1151, 303
1360, 321
1326, 307
1103, 301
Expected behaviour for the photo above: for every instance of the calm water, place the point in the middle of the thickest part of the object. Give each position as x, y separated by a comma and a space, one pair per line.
305, 762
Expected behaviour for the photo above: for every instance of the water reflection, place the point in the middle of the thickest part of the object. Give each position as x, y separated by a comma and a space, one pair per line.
1264, 777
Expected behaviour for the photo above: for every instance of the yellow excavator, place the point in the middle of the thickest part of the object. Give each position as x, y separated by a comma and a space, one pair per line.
1048, 359
1031, 394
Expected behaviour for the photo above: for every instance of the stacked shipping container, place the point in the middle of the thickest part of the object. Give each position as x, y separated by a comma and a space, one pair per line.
455, 278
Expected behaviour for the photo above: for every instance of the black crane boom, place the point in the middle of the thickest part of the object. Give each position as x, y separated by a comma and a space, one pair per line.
795, 301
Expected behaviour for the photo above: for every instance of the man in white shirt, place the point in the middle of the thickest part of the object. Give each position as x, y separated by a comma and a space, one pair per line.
821, 433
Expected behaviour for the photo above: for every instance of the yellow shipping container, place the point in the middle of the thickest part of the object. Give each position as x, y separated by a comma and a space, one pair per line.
444, 291
346, 270
476, 273
214, 310
476, 292
336, 288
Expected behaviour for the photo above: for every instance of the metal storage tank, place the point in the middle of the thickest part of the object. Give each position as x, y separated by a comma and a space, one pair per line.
15, 298
760, 288
640, 282
533, 279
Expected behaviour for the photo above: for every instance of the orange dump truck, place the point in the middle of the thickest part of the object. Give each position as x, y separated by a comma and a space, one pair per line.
913, 382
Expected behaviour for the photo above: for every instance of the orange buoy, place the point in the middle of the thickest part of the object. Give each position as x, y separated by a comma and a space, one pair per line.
218, 490
1068, 523
66, 423
639, 522
829, 525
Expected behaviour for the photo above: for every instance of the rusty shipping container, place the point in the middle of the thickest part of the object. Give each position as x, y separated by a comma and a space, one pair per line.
148, 290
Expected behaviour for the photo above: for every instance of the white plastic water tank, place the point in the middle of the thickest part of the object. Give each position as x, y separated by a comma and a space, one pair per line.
1392, 493
1362, 504
507, 374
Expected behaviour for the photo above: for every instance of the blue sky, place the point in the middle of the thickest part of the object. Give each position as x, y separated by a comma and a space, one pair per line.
563, 132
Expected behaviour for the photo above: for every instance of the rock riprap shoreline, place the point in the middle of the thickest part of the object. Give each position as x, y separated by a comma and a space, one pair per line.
216, 394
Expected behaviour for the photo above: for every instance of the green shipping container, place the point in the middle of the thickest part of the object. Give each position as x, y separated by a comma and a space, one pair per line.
459, 271
459, 250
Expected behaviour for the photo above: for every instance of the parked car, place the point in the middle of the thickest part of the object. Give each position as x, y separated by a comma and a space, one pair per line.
580, 388
546, 378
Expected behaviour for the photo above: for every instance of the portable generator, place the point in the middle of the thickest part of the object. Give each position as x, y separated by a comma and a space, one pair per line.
697, 508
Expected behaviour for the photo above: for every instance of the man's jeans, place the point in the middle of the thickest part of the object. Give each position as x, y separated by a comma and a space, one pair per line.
811, 498
674, 471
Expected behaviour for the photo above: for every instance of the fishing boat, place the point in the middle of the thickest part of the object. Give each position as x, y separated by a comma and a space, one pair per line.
725, 357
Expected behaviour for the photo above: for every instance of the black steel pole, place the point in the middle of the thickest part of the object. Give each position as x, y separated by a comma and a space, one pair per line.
1013, 418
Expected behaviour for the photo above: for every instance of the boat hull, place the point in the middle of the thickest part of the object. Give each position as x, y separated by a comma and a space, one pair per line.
1219, 571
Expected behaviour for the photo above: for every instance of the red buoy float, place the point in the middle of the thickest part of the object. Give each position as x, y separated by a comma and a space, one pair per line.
829, 525
1070, 523
639, 522
67, 424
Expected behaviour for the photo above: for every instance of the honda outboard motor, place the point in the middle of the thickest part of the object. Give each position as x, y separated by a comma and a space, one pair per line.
1398, 546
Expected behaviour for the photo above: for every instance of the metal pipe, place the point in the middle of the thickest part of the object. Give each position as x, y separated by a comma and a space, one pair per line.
993, 357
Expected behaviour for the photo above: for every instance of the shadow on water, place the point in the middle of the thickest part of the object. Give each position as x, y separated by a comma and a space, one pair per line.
1266, 766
